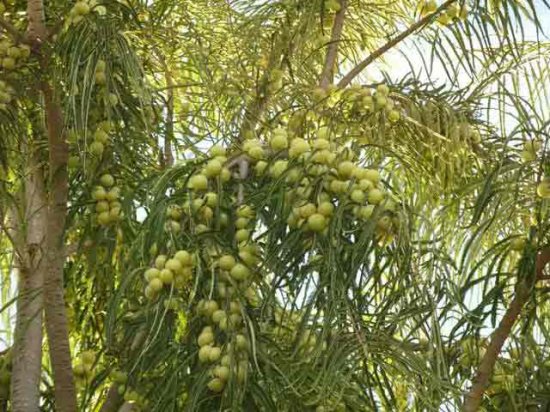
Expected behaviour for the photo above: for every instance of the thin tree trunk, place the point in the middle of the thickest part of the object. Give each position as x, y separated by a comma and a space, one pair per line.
56, 316
27, 349
54, 247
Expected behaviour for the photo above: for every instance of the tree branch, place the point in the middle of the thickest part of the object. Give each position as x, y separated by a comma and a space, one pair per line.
347, 79
473, 398
113, 400
332, 51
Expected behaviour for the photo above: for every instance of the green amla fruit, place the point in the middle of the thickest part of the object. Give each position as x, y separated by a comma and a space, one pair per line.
96, 148
81, 8
317, 222
216, 385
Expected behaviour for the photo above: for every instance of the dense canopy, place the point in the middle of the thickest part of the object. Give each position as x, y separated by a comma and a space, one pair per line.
285, 205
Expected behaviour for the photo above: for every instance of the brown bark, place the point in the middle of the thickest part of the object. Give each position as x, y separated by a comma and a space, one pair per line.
56, 316
473, 398
327, 74
27, 350
113, 400
54, 247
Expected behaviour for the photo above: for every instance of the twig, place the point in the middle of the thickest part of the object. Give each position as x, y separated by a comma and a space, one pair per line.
472, 400
390, 44
332, 50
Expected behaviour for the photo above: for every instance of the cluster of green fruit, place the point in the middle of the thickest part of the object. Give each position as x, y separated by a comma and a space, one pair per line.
106, 196
5, 375
138, 402
12, 55
81, 9
223, 344
453, 12
101, 138
99, 75
83, 368
6, 94
307, 165
176, 271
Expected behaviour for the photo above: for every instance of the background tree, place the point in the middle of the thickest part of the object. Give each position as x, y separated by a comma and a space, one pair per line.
217, 209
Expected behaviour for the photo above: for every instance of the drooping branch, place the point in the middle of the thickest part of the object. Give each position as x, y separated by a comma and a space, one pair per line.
332, 51
473, 398
348, 78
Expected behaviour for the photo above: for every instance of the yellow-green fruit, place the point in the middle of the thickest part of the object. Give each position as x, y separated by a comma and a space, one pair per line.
298, 147
261, 166
394, 116
174, 265
375, 196
101, 136
428, 7
211, 199
248, 257
518, 244
325, 208
14, 52
240, 272
156, 284
81, 8
96, 148
100, 78
242, 223
184, 257
222, 372
358, 196
215, 354
88, 357
102, 206
218, 315
213, 168
166, 276
205, 338
321, 144
241, 342
217, 150
317, 222
279, 142
307, 210
160, 261
256, 152
8, 63
107, 180
227, 262
112, 194
104, 218
242, 235
216, 385
99, 193
346, 169
151, 273
543, 189
204, 354
278, 168
79, 369
198, 182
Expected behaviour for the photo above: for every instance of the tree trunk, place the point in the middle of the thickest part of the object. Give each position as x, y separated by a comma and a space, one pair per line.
56, 316
54, 247
27, 349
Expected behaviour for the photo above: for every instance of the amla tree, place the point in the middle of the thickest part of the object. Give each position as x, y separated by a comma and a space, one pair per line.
214, 211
